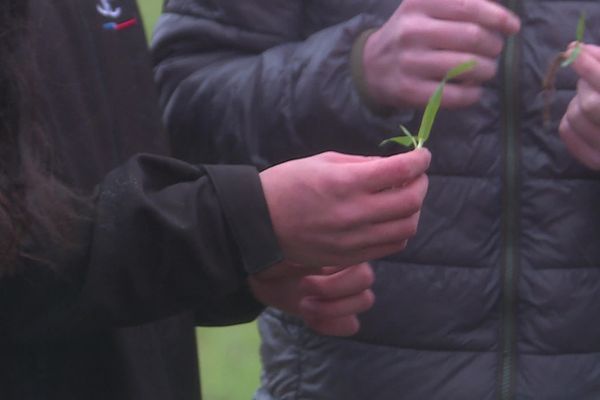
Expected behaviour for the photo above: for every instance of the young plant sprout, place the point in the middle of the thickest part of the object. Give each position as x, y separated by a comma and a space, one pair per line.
433, 105
578, 40
563, 60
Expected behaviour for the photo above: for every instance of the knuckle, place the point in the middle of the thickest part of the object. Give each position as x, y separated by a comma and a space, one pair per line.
409, 32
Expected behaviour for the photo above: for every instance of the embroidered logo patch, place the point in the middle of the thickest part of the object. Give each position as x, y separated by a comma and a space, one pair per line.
106, 9
113, 26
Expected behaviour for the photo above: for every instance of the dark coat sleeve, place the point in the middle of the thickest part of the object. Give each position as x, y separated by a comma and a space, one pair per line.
170, 236
256, 82
166, 237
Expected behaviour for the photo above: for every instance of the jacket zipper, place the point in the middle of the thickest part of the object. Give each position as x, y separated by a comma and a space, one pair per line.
510, 223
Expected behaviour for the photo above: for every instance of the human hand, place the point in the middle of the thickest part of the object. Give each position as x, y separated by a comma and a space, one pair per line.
337, 209
580, 126
328, 299
405, 59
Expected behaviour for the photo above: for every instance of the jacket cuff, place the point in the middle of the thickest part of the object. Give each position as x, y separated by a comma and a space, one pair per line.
358, 76
243, 202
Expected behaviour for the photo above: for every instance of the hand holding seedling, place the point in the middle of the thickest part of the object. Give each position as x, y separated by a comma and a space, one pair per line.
337, 209
580, 126
328, 299
408, 56
563, 60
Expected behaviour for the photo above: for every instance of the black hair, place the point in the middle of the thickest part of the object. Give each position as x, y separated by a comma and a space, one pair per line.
33, 203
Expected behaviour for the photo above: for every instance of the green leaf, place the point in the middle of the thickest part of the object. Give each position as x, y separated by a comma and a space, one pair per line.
431, 110
433, 105
406, 141
579, 37
572, 57
460, 69
406, 131
410, 135
581, 27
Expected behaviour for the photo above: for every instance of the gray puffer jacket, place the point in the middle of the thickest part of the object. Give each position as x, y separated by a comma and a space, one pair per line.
498, 295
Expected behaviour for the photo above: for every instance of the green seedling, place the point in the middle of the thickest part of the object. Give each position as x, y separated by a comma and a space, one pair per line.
578, 40
433, 105
562, 60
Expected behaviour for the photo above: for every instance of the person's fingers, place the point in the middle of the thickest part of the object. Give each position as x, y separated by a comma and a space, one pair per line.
343, 283
384, 173
344, 326
460, 37
417, 94
587, 67
579, 125
419, 64
285, 269
342, 158
395, 203
315, 308
458, 95
380, 237
330, 270
579, 147
372, 242
588, 102
592, 50
488, 14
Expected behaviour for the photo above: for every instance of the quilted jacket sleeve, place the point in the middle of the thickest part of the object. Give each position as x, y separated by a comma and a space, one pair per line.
266, 87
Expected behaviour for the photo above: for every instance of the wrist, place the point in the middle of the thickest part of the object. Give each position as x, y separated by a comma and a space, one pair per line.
357, 60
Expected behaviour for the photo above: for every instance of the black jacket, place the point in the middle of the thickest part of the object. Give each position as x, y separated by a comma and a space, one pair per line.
497, 296
166, 246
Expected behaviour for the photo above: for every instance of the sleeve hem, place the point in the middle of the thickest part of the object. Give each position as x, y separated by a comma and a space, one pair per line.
247, 215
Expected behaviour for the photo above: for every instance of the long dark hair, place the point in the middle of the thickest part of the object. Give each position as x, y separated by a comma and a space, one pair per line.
33, 203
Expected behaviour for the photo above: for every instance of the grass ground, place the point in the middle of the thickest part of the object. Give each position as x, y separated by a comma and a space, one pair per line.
150, 10
228, 356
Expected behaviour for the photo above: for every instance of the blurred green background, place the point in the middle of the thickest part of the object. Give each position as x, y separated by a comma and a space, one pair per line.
229, 361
